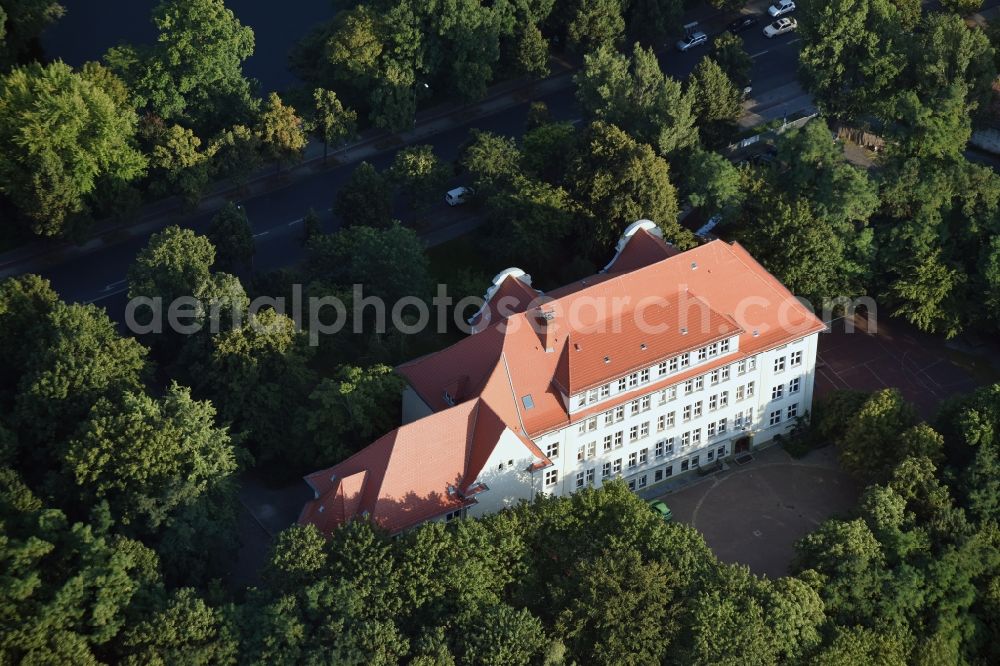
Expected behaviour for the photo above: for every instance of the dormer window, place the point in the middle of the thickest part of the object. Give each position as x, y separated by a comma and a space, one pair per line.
448, 399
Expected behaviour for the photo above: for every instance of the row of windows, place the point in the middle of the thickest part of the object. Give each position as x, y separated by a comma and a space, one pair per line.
794, 359
791, 412
663, 369
778, 391
661, 474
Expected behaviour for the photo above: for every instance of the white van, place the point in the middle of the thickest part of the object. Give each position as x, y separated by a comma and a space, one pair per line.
459, 196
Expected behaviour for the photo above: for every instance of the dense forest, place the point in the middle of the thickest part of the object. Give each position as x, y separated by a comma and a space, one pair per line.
120, 456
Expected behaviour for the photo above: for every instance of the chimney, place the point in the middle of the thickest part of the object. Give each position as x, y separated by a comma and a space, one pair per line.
546, 322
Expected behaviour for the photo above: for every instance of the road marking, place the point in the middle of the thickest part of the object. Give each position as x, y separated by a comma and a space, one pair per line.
111, 286
788, 43
107, 295
294, 222
263, 233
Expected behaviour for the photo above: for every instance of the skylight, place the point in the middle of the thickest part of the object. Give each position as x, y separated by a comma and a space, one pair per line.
529, 403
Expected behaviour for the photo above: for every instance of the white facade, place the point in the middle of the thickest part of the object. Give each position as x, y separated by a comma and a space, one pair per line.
649, 436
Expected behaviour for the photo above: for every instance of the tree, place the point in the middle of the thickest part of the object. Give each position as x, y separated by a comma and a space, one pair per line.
350, 409
281, 132
148, 458
194, 71
530, 51
67, 587
930, 294
716, 102
547, 151
531, 221
175, 262
185, 631
178, 164
868, 447
232, 237
620, 181
389, 263
653, 21
492, 160
59, 134
332, 121
635, 95
963, 7
236, 154
365, 199
74, 358
713, 183
393, 100
21, 22
421, 176
502, 635
732, 58
258, 376
25, 303
595, 24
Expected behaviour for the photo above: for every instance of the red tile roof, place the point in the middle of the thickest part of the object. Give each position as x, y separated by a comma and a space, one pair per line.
651, 303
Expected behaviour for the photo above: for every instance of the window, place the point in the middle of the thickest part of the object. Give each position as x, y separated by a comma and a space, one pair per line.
793, 410
697, 409
713, 349
738, 420
699, 383
694, 461
661, 423
670, 447
748, 417
616, 466
685, 360
633, 433
605, 470
607, 443
605, 391
739, 392
552, 450
687, 412
724, 346
661, 369
658, 476
689, 387
710, 455
776, 417
631, 484
671, 419
685, 440
672, 393
581, 452
750, 389
632, 458
633, 380
592, 396
609, 417
591, 449
702, 353
752, 363
641, 481
673, 364
668, 471
725, 373
793, 386
722, 426
644, 403
622, 384
795, 358
453, 515
720, 452
713, 402
551, 477
619, 412
644, 429
618, 439
579, 479
659, 449
713, 377
644, 376
581, 401
777, 391
685, 465
633, 407
724, 399
590, 476
741, 368
588, 425
711, 429
662, 397
779, 364
696, 437
643, 456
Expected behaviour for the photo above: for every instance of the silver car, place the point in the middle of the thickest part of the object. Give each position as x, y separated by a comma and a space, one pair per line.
780, 27
691, 41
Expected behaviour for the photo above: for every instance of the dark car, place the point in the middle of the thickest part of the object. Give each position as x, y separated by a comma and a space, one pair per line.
744, 22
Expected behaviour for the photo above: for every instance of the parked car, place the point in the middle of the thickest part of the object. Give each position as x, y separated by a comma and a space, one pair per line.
780, 27
781, 8
691, 41
744, 22
662, 509
459, 196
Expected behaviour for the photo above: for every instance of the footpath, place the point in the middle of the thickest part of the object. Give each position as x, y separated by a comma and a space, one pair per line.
36, 255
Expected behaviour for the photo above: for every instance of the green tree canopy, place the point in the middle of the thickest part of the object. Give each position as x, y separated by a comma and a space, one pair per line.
60, 133
365, 199
282, 133
421, 176
232, 237
332, 121
715, 100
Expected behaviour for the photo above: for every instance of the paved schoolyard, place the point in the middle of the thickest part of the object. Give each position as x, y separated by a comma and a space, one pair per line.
897, 355
753, 514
